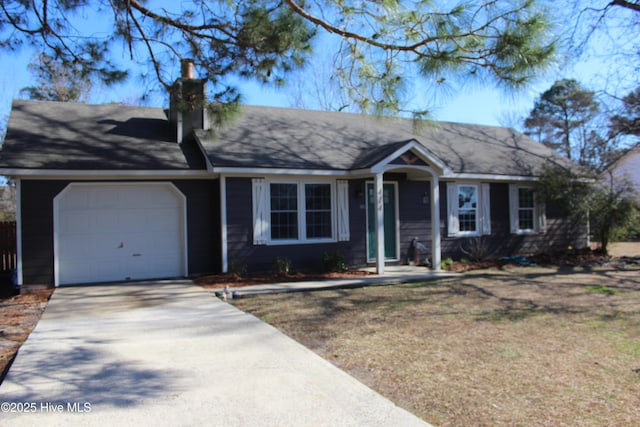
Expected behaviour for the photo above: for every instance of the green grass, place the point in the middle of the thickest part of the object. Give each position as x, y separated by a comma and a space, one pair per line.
602, 289
630, 347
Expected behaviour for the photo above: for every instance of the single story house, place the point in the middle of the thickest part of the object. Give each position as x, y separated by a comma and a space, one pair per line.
627, 168
117, 193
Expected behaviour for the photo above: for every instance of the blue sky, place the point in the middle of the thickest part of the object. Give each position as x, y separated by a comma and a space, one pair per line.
480, 105
474, 104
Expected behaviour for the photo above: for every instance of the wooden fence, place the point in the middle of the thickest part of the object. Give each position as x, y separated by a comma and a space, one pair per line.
8, 256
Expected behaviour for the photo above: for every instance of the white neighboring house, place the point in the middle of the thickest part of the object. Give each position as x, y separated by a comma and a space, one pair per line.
627, 167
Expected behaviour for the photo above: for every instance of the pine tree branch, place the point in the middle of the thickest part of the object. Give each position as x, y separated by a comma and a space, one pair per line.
631, 5
350, 35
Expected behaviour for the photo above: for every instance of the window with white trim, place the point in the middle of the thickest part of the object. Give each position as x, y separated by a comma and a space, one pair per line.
289, 211
318, 222
468, 209
284, 211
526, 209
527, 216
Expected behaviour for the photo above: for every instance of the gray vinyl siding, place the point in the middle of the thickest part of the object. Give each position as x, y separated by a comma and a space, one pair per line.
560, 232
203, 231
307, 256
414, 221
355, 252
36, 214
415, 216
203, 225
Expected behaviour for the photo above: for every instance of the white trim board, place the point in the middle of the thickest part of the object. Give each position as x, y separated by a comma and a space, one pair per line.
105, 174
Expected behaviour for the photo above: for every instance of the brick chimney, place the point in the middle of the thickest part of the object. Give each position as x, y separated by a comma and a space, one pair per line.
187, 99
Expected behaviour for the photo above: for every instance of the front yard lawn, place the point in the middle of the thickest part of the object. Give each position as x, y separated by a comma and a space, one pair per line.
523, 346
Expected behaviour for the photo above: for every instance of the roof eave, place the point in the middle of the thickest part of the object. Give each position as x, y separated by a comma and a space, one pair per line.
104, 174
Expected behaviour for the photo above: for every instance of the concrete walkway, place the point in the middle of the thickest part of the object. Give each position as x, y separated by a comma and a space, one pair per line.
171, 354
393, 275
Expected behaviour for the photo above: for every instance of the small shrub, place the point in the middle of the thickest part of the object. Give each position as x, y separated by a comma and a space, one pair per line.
333, 262
446, 263
477, 249
237, 267
282, 266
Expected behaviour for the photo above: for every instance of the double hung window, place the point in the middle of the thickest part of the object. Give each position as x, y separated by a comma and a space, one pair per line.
527, 216
300, 211
469, 209
284, 211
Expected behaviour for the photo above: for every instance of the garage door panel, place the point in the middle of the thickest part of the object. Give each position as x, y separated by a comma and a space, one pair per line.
152, 198
119, 232
138, 267
130, 221
165, 241
102, 198
102, 220
84, 221
160, 219
103, 269
78, 200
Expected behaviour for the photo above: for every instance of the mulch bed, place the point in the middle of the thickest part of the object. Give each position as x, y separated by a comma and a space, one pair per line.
215, 281
19, 314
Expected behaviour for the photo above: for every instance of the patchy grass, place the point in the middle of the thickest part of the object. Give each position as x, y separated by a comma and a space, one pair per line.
524, 346
601, 289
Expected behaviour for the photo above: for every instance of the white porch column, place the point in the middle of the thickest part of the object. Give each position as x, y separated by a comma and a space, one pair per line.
223, 223
19, 230
379, 209
435, 223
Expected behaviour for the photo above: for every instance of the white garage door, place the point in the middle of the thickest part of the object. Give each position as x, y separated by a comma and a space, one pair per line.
115, 232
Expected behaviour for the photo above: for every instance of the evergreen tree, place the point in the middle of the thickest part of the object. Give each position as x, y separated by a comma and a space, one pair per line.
627, 121
377, 43
609, 205
57, 81
564, 118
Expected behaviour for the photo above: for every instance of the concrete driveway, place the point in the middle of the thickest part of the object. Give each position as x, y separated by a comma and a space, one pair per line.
170, 353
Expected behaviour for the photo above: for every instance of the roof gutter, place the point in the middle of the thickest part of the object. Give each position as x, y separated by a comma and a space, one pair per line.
105, 174
213, 172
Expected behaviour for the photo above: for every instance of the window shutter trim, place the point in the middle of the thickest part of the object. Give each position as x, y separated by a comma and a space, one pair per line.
260, 211
541, 218
513, 208
343, 210
453, 226
486, 208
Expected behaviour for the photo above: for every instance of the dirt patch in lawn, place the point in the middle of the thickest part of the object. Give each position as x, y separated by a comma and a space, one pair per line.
19, 314
519, 346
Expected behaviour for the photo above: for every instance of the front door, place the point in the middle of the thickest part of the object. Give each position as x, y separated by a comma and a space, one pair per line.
390, 222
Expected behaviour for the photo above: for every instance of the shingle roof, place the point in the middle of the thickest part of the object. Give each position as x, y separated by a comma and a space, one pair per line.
270, 137
71, 136
74, 136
